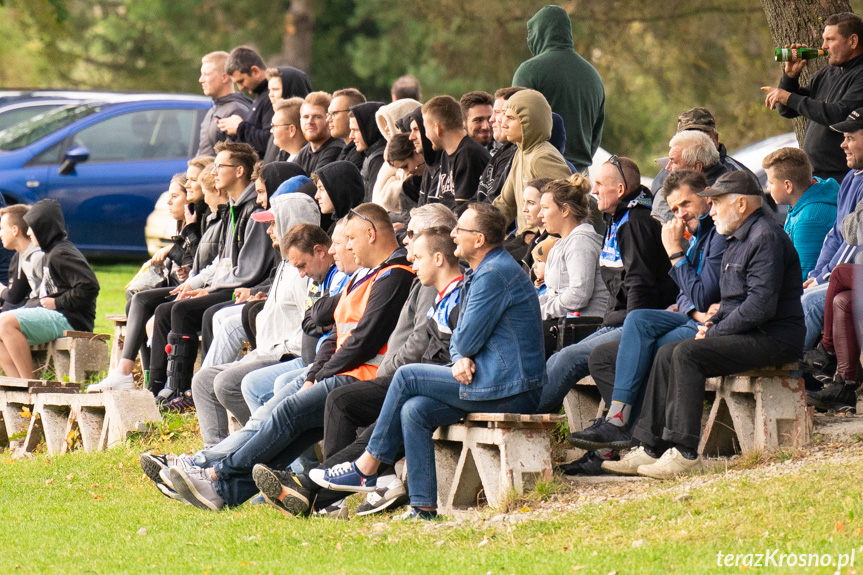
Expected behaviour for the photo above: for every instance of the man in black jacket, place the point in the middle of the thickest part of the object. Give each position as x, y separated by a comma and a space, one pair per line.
248, 71
337, 120
322, 148
633, 265
369, 141
833, 92
67, 296
759, 324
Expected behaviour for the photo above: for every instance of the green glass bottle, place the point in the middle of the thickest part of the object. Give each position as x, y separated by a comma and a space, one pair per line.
794, 54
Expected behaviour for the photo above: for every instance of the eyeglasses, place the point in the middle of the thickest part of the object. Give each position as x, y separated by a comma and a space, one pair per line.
460, 229
353, 213
281, 125
615, 161
331, 114
217, 167
411, 234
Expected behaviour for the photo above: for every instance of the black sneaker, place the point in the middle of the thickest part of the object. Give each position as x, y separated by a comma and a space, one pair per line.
601, 435
820, 363
152, 464
181, 404
836, 396
390, 493
337, 510
589, 464
283, 490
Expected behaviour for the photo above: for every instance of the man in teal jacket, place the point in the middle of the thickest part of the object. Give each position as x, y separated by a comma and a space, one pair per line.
811, 202
571, 85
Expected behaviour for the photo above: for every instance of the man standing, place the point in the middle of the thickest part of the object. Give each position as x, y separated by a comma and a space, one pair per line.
337, 120
759, 324
463, 160
217, 84
477, 109
322, 148
248, 71
833, 92
577, 95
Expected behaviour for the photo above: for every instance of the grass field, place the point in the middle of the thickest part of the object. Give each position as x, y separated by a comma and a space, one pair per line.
97, 513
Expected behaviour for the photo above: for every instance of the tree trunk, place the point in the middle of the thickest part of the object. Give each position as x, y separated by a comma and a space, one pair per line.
801, 22
298, 34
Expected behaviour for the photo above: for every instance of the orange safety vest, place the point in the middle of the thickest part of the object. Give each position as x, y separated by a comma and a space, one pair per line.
349, 310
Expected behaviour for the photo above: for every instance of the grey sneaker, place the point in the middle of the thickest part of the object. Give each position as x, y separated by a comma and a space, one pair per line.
390, 493
338, 510
196, 487
671, 465
629, 463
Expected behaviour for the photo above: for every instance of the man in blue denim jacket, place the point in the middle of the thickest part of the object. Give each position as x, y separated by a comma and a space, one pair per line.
498, 366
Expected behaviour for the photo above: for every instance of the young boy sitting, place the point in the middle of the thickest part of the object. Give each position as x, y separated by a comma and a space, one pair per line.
67, 295
25, 269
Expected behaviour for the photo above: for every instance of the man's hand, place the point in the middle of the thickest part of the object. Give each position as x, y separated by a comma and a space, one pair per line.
193, 294
775, 96
260, 296
794, 68
808, 283
672, 236
242, 294
702, 330
703, 317
463, 370
161, 254
307, 385
48, 303
230, 124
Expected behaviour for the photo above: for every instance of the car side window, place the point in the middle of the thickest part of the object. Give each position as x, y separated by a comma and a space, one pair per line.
143, 135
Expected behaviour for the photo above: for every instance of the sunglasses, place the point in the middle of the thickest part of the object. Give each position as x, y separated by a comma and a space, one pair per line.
353, 213
615, 161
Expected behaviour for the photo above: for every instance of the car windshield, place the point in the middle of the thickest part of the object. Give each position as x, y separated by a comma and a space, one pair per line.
38, 127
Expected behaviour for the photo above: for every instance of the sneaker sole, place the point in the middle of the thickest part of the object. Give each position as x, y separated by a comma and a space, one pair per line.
384, 504
595, 445
188, 492
293, 504
170, 494
152, 467
630, 471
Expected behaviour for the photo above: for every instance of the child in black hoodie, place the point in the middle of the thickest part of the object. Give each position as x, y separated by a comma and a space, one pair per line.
67, 296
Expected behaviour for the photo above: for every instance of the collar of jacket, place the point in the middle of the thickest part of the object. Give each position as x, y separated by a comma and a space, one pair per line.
743, 231
639, 195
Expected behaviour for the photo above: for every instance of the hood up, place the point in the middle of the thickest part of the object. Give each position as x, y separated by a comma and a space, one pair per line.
365, 116
46, 220
294, 209
295, 82
549, 29
390, 114
276, 173
430, 155
534, 114
344, 185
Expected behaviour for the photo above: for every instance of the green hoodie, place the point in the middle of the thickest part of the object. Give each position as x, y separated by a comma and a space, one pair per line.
535, 156
570, 84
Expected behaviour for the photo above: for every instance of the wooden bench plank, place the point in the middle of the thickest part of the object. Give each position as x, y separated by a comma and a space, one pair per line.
115, 317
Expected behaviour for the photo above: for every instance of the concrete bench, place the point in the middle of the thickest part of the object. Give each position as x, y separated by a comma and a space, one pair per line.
75, 356
118, 339
758, 410
53, 411
492, 454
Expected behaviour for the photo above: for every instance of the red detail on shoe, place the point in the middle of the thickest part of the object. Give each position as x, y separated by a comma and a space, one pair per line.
168, 348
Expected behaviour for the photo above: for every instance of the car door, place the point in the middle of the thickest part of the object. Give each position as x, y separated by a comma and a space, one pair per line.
132, 156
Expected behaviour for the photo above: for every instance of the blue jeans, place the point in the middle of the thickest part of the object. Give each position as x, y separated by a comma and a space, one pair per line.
644, 332
567, 366
293, 425
420, 399
813, 313
229, 336
257, 387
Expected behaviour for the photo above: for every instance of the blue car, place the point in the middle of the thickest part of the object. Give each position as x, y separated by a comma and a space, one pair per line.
106, 161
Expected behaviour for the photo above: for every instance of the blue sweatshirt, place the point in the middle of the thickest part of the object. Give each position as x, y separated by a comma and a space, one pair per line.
810, 219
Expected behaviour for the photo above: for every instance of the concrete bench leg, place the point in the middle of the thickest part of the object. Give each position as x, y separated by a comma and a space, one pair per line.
117, 343
125, 413
15, 423
782, 418
56, 424
79, 358
91, 420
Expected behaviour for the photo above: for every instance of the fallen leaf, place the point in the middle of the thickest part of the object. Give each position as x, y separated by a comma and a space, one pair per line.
70, 477
638, 543
577, 567
304, 544
859, 531
525, 509
840, 526
483, 542
49, 481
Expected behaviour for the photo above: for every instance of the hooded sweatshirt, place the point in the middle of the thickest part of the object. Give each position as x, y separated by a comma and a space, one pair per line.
810, 219
373, 155
577, 95
279, 324
295, 83
460, 173
234, 103
344, 186
66, 275
276, 173
432, 157
388, 186
572, 277
255, 129
535, 157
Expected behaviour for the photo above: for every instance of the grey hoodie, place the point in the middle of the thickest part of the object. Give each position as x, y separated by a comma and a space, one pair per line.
572, 276
234, 103
279, 324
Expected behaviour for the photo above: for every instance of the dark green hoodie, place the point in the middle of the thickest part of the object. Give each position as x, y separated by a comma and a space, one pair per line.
571, 85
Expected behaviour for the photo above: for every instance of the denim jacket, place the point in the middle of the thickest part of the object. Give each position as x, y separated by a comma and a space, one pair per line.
500, 328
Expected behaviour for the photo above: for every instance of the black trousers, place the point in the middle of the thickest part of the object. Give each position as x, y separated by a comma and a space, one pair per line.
603, 367
181, 317
249, 317
139, 309
674, 398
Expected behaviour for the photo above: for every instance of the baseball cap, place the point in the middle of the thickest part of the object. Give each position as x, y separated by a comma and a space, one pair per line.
853, 123
736, 182
696, 119
264, 216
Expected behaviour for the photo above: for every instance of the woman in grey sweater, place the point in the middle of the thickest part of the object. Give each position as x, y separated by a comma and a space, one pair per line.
572, 270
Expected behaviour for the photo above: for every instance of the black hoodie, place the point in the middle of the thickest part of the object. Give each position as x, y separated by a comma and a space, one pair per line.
295, 84
67, 276
432, 157
255, 129
375, 143
276, 173
344, 185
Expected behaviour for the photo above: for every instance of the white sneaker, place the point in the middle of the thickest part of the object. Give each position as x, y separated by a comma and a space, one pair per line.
115, 381
670, 465
629, 463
